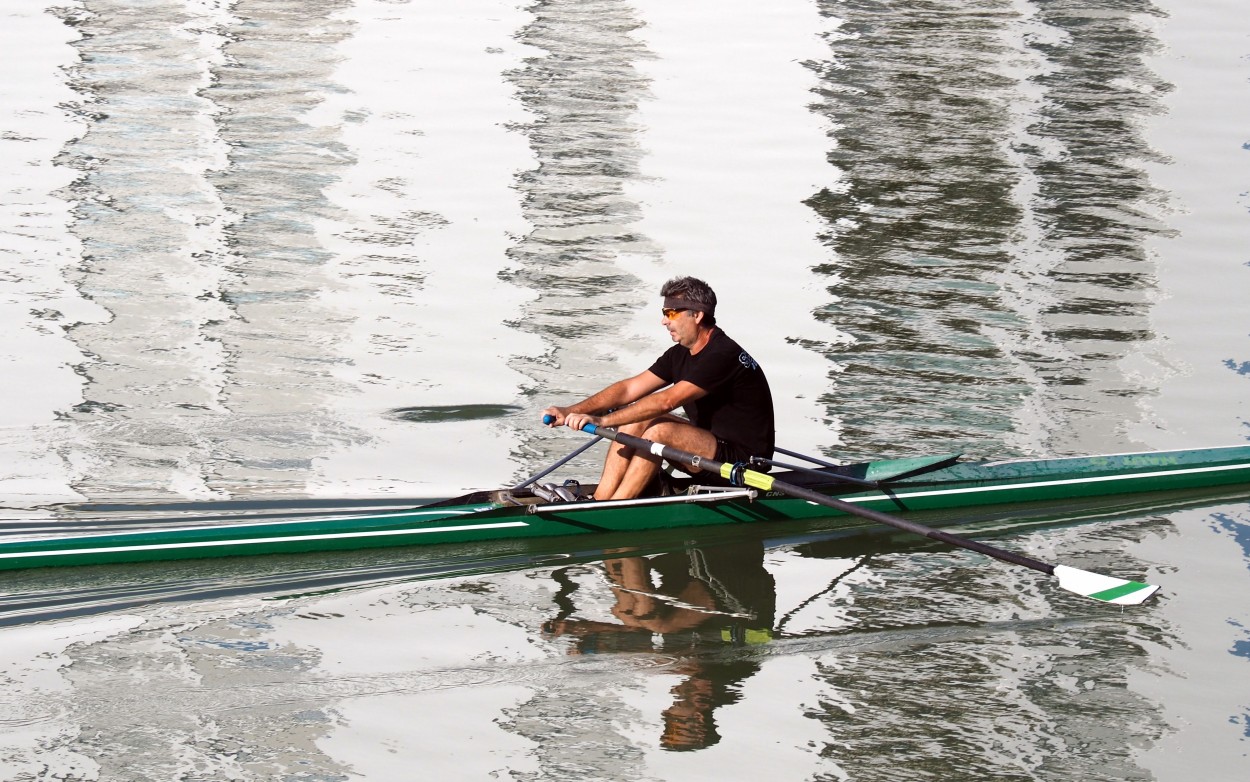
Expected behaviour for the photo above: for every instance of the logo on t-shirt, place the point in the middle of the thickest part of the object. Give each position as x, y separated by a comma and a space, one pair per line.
747, 361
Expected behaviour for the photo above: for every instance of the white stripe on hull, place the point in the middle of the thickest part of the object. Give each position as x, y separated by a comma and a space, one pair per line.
254, 541
271, 522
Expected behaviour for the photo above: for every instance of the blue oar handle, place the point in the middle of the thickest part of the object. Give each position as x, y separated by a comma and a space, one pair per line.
588, 428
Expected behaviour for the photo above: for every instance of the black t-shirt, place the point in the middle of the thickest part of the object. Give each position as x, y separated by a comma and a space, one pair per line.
738, 407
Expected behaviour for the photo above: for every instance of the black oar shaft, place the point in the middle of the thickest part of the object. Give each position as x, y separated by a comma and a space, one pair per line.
760, 480
802, 493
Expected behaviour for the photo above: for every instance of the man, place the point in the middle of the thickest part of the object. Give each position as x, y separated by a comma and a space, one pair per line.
724, 392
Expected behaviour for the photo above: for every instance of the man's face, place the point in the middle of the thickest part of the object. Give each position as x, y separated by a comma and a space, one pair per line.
682, 325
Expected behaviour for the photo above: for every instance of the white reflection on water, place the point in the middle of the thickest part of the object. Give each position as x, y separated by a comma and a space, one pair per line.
1204, 649
732, 153
1203, 347
36, 253
431, 720
427, 213
38, 726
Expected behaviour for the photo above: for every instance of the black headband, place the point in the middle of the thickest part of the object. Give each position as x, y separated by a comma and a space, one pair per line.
675, 303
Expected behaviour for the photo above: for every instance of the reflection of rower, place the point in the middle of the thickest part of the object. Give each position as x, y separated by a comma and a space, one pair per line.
695, 600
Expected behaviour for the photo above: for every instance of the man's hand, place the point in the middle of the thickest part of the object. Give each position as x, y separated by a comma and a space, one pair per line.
560, 416
579, 420
556, 414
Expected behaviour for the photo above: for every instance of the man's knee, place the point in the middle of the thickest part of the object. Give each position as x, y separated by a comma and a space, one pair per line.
684, 436
658, 430
671, 432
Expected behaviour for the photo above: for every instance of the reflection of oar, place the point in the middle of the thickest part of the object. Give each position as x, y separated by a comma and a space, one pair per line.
1099, 587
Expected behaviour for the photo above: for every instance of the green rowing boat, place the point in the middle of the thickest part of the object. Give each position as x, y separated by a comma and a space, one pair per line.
870, 489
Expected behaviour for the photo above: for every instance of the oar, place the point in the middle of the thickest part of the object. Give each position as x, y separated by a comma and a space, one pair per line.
554, 467
1099, 587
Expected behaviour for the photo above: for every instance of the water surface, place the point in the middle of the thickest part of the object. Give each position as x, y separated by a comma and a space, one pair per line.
306, 256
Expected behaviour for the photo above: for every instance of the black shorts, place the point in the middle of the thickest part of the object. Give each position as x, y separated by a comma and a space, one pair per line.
730, 453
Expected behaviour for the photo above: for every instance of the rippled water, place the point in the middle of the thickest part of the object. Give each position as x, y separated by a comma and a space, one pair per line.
322, 253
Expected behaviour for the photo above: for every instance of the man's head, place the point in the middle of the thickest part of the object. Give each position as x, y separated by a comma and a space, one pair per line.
689, 293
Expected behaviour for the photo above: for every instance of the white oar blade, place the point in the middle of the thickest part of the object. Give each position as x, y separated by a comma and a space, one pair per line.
1104, 588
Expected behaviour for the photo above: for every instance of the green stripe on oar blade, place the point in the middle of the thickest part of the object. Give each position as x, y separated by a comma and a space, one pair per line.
1104, 588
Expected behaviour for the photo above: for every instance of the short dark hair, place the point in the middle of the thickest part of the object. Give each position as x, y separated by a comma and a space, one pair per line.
694, 290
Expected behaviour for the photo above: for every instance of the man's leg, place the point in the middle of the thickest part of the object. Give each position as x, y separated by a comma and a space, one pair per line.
640, 467
616, 462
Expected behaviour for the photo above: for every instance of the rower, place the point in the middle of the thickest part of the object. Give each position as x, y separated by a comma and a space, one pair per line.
727, 401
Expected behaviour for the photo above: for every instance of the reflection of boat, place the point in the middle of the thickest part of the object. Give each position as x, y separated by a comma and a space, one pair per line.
899, 485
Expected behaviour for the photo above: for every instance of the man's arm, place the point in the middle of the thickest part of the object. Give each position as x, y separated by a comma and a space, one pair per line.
619, 394
649, 403
654, 404
634, 399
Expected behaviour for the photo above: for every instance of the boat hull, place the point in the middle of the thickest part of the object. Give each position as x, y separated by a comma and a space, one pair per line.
481, 517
